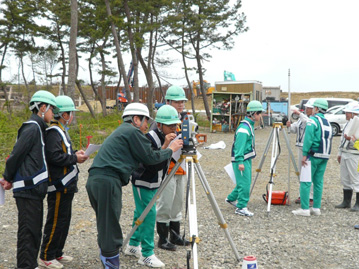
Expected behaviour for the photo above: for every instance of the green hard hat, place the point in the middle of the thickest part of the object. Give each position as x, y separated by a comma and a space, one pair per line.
321, 103
167, 115
254, 106
43, 97
175, 93
64, 104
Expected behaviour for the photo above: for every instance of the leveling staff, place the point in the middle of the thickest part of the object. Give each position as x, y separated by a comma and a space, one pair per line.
118, 157
242, 154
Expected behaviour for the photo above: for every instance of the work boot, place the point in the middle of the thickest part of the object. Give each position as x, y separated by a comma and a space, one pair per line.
346, 200
356, 206
175, 237
162, 230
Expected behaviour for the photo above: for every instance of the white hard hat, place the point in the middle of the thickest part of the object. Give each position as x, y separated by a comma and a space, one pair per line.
310, 103
352, 107
136, 109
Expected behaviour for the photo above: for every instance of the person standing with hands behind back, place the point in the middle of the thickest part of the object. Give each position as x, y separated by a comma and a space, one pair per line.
63, 171
26, 172
119, 156
243, 151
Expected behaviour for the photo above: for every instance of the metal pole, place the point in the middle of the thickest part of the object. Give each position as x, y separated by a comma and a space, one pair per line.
289, 102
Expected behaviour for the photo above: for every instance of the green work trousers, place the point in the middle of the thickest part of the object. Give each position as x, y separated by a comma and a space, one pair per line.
105, 194
145, 232
243, 179
318, 169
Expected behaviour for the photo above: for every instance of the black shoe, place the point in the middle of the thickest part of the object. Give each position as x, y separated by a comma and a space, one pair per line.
163, 243
175, 237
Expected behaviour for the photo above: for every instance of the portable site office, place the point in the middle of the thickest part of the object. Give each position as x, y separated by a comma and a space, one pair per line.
229, 103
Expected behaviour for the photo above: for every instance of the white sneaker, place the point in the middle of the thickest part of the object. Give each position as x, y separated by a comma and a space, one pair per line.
315, 211
64, 259
151, 261
244, 212
50, 264
133, 251
233, 203
301, 212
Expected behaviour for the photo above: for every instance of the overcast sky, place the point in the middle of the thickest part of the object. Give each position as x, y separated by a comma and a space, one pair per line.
317, 40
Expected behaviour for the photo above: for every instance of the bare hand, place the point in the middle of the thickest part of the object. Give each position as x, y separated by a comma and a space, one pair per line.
347, 137
296, 112
176, 145
339, 158
304, 161
5, 184
168, 139
81, 157
289, 123
241, 167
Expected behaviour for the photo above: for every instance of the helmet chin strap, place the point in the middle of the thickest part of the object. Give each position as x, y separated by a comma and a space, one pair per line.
134, 124
43, 113
66, 121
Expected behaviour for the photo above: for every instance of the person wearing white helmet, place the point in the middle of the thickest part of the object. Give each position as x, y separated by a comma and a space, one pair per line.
26, 172
243, 151
299, 128
145, 182
119, 156
348, 158
61, 160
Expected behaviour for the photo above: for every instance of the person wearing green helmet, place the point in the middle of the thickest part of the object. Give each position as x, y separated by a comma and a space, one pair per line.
299, 128
170, 202
243, 151
26, 172
145, 182
61, 160
316, 151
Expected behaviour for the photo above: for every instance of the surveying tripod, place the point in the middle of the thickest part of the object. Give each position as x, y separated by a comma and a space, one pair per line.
274, 137
189, 154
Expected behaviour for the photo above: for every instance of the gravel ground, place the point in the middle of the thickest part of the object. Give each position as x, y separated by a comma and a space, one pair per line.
279, 240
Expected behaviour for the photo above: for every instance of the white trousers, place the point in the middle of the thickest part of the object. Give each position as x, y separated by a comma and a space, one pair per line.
169, 204
349, 171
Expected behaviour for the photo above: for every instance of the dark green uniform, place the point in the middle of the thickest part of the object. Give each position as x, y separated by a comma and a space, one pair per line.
118, 157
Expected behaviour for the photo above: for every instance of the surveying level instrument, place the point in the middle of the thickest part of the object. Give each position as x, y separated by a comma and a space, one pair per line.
276, 150
189, 155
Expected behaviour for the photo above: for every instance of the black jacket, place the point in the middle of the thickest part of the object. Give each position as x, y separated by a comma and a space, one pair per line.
27, 158
58, 160
148, 176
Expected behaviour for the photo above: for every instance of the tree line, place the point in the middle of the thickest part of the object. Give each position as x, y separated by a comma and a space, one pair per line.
47, 33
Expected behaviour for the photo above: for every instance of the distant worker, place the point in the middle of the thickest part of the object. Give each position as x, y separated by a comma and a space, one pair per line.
170, 202
145, 182
317, 146
119, 156
299, 129
348, 157
243, 151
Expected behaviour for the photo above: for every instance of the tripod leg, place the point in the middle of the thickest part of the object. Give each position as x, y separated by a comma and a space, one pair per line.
192, 210
215, 208
294, 164
259, 169
139, 221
